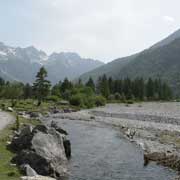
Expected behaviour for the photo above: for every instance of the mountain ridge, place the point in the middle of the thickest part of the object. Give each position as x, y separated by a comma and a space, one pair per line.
22, 64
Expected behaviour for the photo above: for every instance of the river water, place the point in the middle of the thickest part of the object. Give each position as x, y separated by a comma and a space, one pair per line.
102, 153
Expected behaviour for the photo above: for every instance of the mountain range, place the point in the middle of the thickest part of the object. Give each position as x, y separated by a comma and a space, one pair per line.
160, 60
22, 64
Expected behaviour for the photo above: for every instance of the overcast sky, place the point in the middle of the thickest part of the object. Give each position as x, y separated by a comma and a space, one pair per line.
99, 29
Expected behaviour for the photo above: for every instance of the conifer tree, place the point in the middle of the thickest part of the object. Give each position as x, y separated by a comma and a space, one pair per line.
91, 84
41, 86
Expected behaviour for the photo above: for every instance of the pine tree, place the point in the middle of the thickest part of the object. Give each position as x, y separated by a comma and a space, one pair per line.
111, 85
150, 89
104, 88
91, 84
66, 85
41, 86
27, 91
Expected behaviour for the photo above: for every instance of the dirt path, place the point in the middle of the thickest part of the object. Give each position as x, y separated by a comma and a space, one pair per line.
5, 119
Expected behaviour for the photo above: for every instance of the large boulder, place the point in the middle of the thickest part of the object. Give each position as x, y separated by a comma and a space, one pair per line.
43, 149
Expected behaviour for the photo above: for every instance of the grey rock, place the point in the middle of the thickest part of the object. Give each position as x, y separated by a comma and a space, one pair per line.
34, 115
43, 149
10, 109
58, 128
29, 171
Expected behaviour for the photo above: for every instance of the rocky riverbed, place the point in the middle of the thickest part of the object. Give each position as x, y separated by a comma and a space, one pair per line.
155, 127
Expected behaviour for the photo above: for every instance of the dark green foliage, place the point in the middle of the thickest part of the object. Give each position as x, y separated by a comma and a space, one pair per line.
66, 85
41, 87
137, 89
77, 100
56, 89
104, 86
117, 96
91, 84
100, 101
28, 91
52, 98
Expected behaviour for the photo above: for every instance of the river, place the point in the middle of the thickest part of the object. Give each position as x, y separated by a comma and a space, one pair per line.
101, 152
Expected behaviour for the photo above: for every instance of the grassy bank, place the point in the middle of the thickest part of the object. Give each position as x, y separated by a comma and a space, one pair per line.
8, 171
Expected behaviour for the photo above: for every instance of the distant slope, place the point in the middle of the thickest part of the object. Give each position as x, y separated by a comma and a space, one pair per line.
161, 60
110, 69
22, 64
168, 40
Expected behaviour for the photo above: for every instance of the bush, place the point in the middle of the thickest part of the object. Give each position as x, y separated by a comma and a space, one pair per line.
111, 97
130, 102
100, 101
53, 98
13, 103
89, 102
117, 96
77, 100
67, 95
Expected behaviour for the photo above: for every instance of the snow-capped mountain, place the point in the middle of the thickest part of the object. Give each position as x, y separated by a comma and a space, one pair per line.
22, 64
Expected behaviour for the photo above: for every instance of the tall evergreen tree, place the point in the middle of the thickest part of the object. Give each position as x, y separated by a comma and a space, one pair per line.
66, 85
150, 89
41, 86
91, 84
27, 91
104, 88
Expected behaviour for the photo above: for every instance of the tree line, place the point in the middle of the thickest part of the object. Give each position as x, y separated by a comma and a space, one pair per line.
138, 88
88, 94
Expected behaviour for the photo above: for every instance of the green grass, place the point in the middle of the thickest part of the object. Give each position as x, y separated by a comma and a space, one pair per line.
30, 105
7, 171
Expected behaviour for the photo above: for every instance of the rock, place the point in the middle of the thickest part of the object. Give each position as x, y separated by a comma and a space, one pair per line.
130, 133
67, 110
22, 113
41, 128
37, 178
44, 149
34, 115
22, 140
59, 129
10, 109
67, 147
28, 170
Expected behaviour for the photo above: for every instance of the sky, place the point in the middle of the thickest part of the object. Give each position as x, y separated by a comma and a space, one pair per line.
98, 29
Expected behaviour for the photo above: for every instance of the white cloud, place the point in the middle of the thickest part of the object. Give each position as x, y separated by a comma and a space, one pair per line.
169, 19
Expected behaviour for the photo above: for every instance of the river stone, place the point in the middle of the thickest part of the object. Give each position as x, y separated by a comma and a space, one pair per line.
43, 150
29, 171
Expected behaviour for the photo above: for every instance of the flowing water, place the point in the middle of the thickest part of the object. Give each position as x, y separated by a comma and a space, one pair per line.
102, 153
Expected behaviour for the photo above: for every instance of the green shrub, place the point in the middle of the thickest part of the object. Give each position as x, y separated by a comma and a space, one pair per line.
111, 97
53, 98
117, 96
11, 174
89, 102
77, 100
100, 101
13, 103
67, 95
3, 106
130, 102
